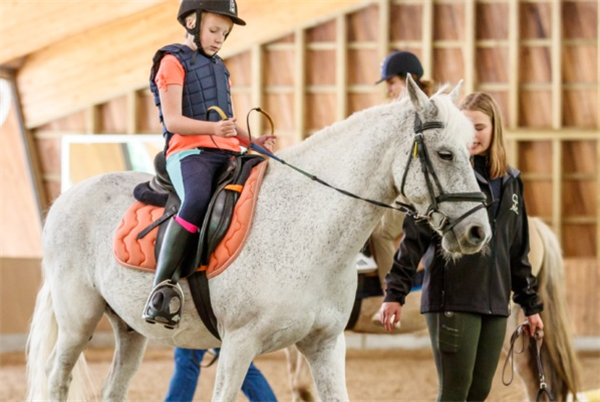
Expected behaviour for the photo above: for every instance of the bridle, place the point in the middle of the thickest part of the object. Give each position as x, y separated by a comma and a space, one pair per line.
436, 218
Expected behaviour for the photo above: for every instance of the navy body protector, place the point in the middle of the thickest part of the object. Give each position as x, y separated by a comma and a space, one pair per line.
206, 84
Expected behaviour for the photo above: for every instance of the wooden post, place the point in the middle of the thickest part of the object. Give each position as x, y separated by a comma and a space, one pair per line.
513, 68
341, 67
383, 43
598, 144
132, 112
92, 123
469, 46
557, 170
31, 150
427, 39
556, 51
300, 85
257, 87
557, 114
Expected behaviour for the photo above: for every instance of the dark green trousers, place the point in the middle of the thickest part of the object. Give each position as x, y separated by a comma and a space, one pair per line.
466, 348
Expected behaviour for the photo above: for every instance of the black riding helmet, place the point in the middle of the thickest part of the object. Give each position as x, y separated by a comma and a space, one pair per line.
400, 63
223, 7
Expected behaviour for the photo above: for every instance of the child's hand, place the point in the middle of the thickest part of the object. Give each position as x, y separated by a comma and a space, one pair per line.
266, 141
225, 128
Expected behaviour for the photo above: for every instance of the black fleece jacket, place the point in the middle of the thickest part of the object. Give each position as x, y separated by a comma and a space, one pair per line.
478, 283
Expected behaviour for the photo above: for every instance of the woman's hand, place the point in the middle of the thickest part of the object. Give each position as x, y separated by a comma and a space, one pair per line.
535, 323
389, 314
225, 128
266, 141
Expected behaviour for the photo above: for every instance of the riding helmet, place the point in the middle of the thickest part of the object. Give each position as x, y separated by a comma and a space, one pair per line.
400, 63
223, 7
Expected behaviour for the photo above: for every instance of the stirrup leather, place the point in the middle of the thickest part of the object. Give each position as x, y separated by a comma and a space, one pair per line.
164, 305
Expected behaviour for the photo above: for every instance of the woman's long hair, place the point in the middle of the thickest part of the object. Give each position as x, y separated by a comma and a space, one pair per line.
496, 157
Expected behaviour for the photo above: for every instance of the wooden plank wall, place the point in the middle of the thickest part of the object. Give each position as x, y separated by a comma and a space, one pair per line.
539, 58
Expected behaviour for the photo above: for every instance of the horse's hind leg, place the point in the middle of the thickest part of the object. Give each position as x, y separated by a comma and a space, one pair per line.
77, 317
129, 350
327, 364
298, 371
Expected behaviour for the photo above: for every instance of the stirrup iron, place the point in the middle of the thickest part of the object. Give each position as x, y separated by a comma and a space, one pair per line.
164, 305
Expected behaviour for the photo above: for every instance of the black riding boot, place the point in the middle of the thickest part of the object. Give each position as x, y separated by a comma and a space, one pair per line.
165, 303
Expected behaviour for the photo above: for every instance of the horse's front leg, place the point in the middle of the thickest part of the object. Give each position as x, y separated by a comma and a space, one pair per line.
237, 352
327, 361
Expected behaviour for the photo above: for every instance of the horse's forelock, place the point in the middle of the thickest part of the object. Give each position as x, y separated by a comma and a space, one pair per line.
458, 127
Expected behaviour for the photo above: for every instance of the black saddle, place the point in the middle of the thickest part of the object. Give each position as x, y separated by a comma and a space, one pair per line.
159, 192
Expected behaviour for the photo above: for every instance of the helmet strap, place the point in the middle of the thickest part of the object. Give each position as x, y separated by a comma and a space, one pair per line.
195, 32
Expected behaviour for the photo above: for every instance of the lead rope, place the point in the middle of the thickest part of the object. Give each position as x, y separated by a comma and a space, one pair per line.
539, 339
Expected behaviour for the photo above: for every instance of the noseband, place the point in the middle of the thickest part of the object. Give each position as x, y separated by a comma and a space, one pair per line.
436, 218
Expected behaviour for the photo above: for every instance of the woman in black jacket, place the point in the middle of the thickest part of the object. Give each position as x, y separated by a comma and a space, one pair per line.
466, 302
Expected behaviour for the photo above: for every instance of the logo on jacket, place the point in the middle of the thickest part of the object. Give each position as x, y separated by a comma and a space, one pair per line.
515, 207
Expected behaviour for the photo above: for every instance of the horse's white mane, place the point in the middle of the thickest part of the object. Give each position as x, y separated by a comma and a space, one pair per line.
456, 122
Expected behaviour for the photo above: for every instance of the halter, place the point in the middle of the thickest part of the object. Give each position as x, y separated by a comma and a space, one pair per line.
436, 218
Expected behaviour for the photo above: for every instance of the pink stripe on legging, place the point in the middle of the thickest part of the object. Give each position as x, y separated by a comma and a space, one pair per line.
190, 227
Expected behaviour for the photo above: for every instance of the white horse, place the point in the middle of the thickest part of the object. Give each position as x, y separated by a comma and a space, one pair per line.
561, 366
293, 283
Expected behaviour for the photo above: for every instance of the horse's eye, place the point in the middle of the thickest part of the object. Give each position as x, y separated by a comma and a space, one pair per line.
445, 155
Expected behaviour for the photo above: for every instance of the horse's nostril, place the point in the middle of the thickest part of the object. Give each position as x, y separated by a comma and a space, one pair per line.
476, 234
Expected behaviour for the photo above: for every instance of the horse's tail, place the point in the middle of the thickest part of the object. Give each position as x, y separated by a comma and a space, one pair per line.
41, 342
564, 373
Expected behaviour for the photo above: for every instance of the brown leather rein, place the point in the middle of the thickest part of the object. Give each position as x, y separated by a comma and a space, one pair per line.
539, 339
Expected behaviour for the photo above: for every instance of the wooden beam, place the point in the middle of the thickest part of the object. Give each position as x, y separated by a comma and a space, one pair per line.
114, 59
30, 149
598, 181
513, 154
132, 112
557, 188
341, 67
36, 24
92, 124
256, 124
556, 51
427, 38
548, 135
299, 85
469, 46
513, 66
383, 36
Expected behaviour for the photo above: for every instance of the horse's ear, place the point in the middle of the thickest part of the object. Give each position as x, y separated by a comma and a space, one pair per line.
454, 93
418, 98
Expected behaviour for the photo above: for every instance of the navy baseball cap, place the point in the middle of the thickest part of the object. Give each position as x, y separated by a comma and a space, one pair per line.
399, 64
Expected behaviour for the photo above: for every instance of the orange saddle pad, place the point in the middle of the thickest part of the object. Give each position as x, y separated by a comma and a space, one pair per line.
135, 253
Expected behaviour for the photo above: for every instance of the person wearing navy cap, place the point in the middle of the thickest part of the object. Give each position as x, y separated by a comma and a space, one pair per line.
394, 69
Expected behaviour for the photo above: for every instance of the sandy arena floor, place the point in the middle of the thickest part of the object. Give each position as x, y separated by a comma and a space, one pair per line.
372, 375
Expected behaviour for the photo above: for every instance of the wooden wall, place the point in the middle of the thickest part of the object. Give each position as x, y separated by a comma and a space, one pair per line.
539, 58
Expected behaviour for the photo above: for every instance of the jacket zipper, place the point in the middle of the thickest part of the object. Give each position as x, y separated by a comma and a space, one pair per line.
493, 253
